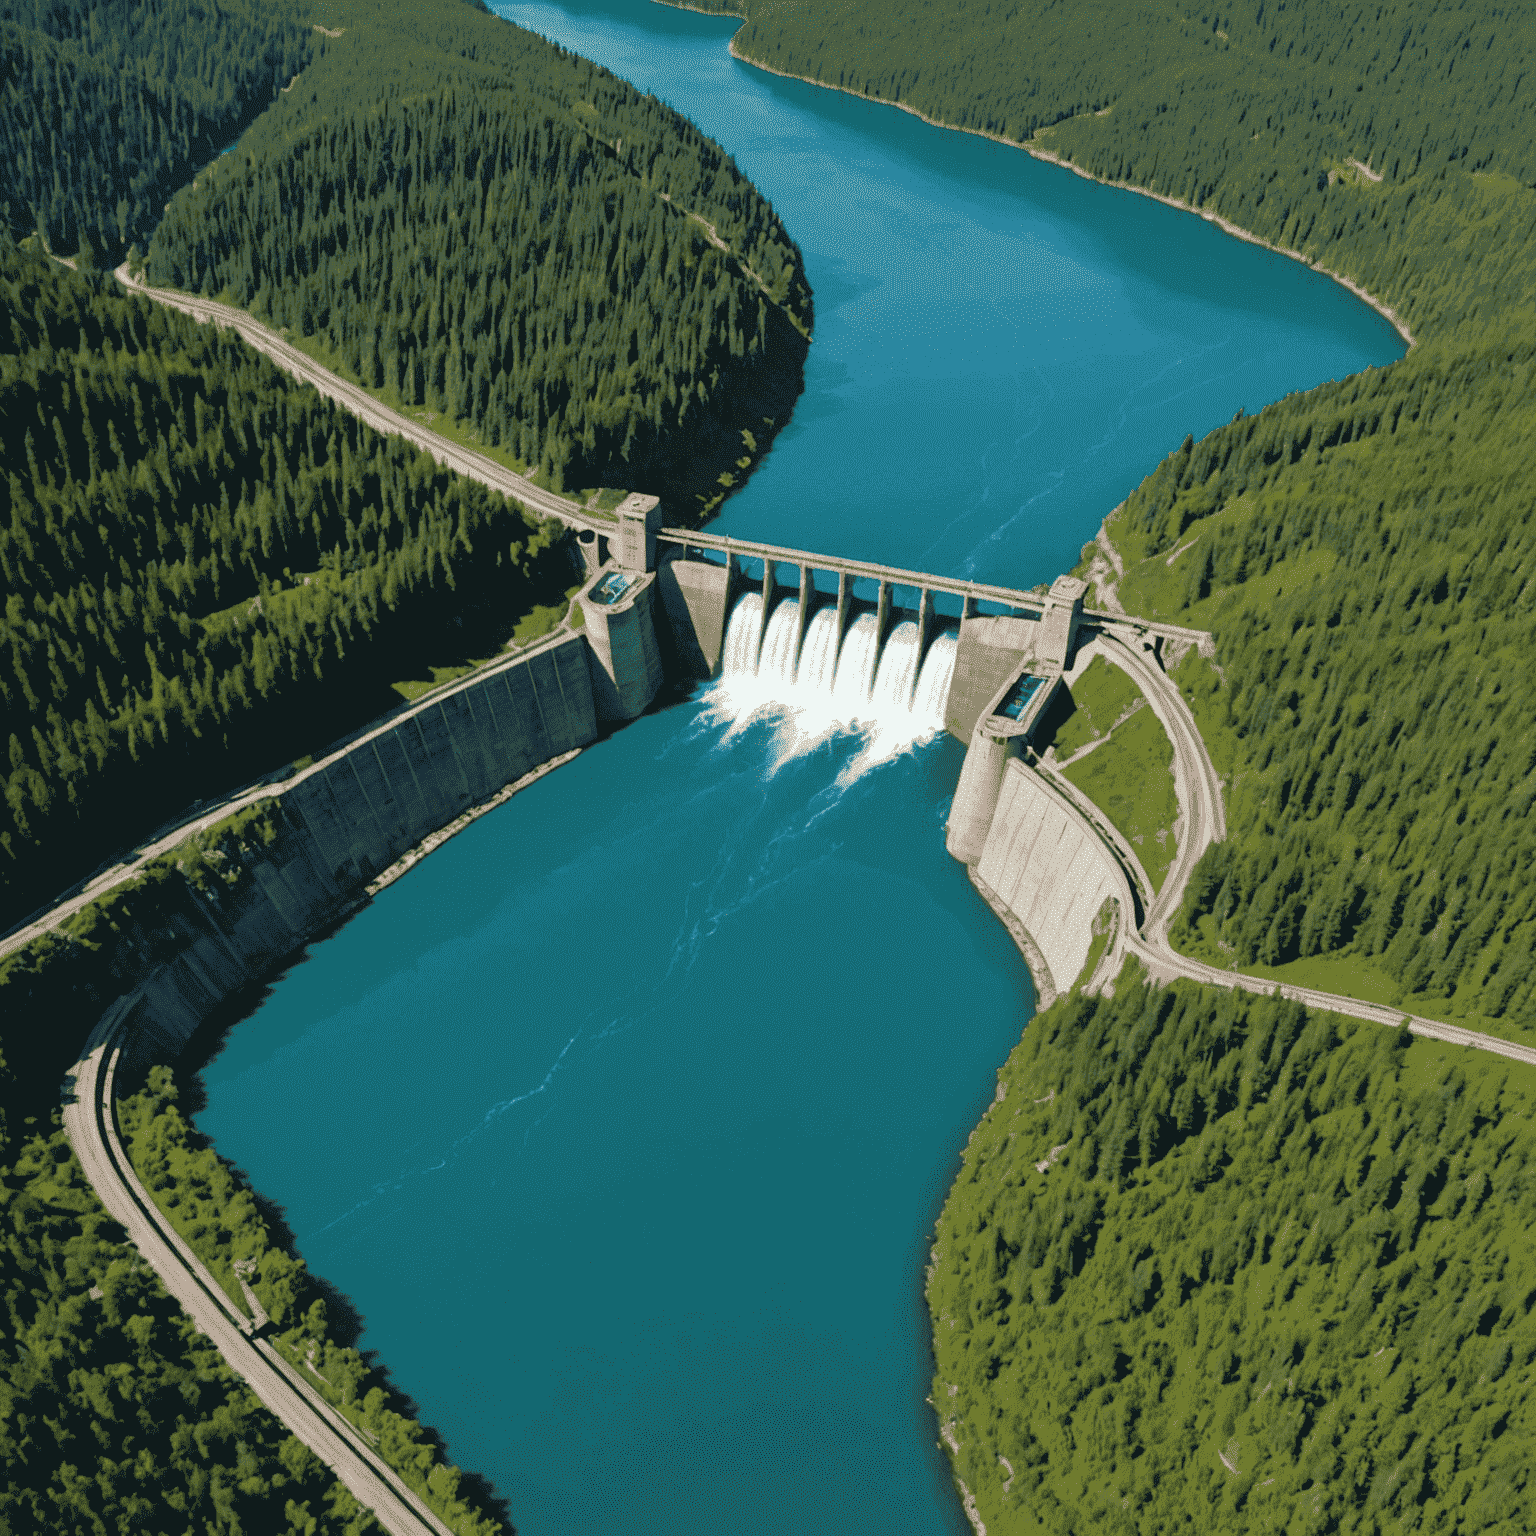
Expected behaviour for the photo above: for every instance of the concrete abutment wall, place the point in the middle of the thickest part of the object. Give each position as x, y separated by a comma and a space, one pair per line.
344, 822
1052, 872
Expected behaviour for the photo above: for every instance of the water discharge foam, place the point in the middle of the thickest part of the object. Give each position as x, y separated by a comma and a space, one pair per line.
892, 695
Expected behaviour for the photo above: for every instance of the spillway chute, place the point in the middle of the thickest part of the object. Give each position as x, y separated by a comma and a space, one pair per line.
856, 668
815, 688
818, 653
932, 692
741, 637
777, 662
897, 672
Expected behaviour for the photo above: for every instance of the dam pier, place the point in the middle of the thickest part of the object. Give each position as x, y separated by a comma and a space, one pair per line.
980, 661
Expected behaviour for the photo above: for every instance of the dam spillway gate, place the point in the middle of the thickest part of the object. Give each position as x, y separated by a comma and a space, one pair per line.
871, 642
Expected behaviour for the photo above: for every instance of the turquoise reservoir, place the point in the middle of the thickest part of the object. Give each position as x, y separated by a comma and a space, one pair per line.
622, 1119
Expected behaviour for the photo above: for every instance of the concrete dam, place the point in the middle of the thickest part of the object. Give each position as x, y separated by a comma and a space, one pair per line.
869, 643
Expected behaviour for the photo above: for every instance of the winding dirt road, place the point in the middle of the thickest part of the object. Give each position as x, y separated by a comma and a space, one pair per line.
476, 466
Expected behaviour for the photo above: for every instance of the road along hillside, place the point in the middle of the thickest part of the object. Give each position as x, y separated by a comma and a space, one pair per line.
1203, 819
351, 397
90, 1126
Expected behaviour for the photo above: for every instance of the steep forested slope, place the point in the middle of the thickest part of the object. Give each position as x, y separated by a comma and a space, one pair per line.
475, 221
206, 567
1276, 1277
1365, 556
118, 1416
106, 106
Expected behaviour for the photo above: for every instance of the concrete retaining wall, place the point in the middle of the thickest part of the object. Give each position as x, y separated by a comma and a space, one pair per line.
695, 595
345, 822
989, 653
1051, 871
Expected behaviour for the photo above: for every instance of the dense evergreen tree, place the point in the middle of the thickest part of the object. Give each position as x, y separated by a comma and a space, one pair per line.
107, 106
1274, 1274
473, 220
206, 567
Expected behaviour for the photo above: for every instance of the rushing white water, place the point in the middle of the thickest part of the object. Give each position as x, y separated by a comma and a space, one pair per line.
777, 662
898, 671
740, 658
877, 691
856, 669
932, 692
818, 653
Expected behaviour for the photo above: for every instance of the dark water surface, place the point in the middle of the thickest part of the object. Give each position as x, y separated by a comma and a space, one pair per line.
623, 1116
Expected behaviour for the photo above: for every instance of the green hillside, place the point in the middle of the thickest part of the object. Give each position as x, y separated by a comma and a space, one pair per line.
469, 219
118, 1415
1276, 1277
107, 106
1363, 555
208, 568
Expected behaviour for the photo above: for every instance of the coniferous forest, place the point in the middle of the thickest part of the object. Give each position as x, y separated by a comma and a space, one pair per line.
1215, 1263
107, 109
1212, 1262
208, 569
495, 229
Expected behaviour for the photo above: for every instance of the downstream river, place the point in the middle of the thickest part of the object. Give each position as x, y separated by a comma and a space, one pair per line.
623, 1118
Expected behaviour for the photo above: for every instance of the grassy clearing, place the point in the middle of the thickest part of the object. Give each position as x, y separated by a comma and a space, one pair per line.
412, 688
1103, 695
1130, 778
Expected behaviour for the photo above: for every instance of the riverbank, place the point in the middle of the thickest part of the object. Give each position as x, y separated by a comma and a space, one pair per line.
1039, 152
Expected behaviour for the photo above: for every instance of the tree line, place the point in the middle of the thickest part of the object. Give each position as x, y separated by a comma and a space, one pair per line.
471, 220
